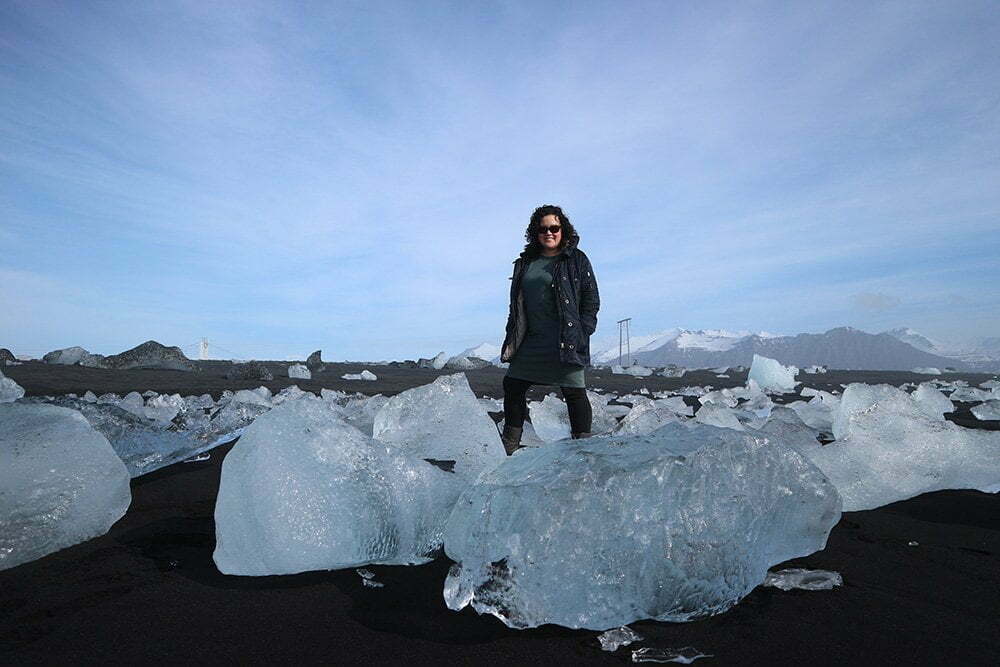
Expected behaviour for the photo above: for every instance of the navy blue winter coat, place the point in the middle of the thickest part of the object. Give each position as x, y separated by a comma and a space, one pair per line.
576, 293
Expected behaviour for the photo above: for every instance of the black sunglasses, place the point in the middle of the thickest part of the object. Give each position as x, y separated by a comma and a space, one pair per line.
551, 229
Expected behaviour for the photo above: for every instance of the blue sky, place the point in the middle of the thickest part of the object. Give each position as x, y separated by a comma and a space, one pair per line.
357, 176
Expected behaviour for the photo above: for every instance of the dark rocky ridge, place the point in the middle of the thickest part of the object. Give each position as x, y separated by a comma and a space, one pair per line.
150, 355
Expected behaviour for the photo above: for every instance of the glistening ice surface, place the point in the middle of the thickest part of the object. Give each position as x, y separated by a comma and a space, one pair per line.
770, 374
599, 533
305, 490
9, 390
145, 442
444, 421
888, 449
550, 417
60, 482
806, 580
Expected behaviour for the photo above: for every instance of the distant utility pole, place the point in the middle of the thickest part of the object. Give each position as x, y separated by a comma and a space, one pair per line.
623, 337
203, 349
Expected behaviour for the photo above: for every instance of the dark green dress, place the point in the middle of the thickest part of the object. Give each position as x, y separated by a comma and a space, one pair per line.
537, 358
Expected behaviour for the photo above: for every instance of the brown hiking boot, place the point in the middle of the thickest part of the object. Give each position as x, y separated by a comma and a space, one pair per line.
511, 438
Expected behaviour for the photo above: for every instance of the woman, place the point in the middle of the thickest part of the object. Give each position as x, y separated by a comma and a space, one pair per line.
553, 312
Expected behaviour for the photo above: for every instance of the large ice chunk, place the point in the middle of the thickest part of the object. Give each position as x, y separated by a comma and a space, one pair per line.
442, 421
888, 449
60, 482
598, 533
305, 490
770, 374
9, 390
550, 417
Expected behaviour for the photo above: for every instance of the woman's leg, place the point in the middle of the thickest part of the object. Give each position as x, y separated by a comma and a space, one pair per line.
515, 405
580, 414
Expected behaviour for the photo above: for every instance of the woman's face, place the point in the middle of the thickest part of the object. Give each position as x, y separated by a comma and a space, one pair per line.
550, 233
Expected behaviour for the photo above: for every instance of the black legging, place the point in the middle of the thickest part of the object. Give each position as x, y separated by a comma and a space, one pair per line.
515, 405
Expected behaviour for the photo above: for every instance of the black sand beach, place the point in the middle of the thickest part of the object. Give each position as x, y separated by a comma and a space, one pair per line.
148, 591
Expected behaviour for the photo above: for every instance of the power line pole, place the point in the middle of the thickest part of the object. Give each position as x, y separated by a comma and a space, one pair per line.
623, 336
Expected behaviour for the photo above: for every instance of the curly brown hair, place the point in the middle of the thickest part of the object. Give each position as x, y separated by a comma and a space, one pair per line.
533, 247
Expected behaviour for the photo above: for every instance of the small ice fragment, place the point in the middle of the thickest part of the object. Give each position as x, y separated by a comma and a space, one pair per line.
988, 410
299, 372
806, 580
10, 391
363, 375
199, 457
684, 656
368, 578
913, 543
615, 638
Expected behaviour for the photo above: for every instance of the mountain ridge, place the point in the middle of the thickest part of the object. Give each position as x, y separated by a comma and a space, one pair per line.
841, 347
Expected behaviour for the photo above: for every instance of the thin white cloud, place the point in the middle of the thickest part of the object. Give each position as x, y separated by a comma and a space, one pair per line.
347, 170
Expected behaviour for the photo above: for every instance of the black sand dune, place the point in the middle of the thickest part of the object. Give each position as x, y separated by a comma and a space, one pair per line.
149, 591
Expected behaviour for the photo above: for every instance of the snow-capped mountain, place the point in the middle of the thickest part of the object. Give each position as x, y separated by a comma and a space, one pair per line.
982, 356
916, 339
485, 351
709, 340
843, 347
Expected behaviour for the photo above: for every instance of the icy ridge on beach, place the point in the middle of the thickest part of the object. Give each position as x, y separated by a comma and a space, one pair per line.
883, 444
888, 448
